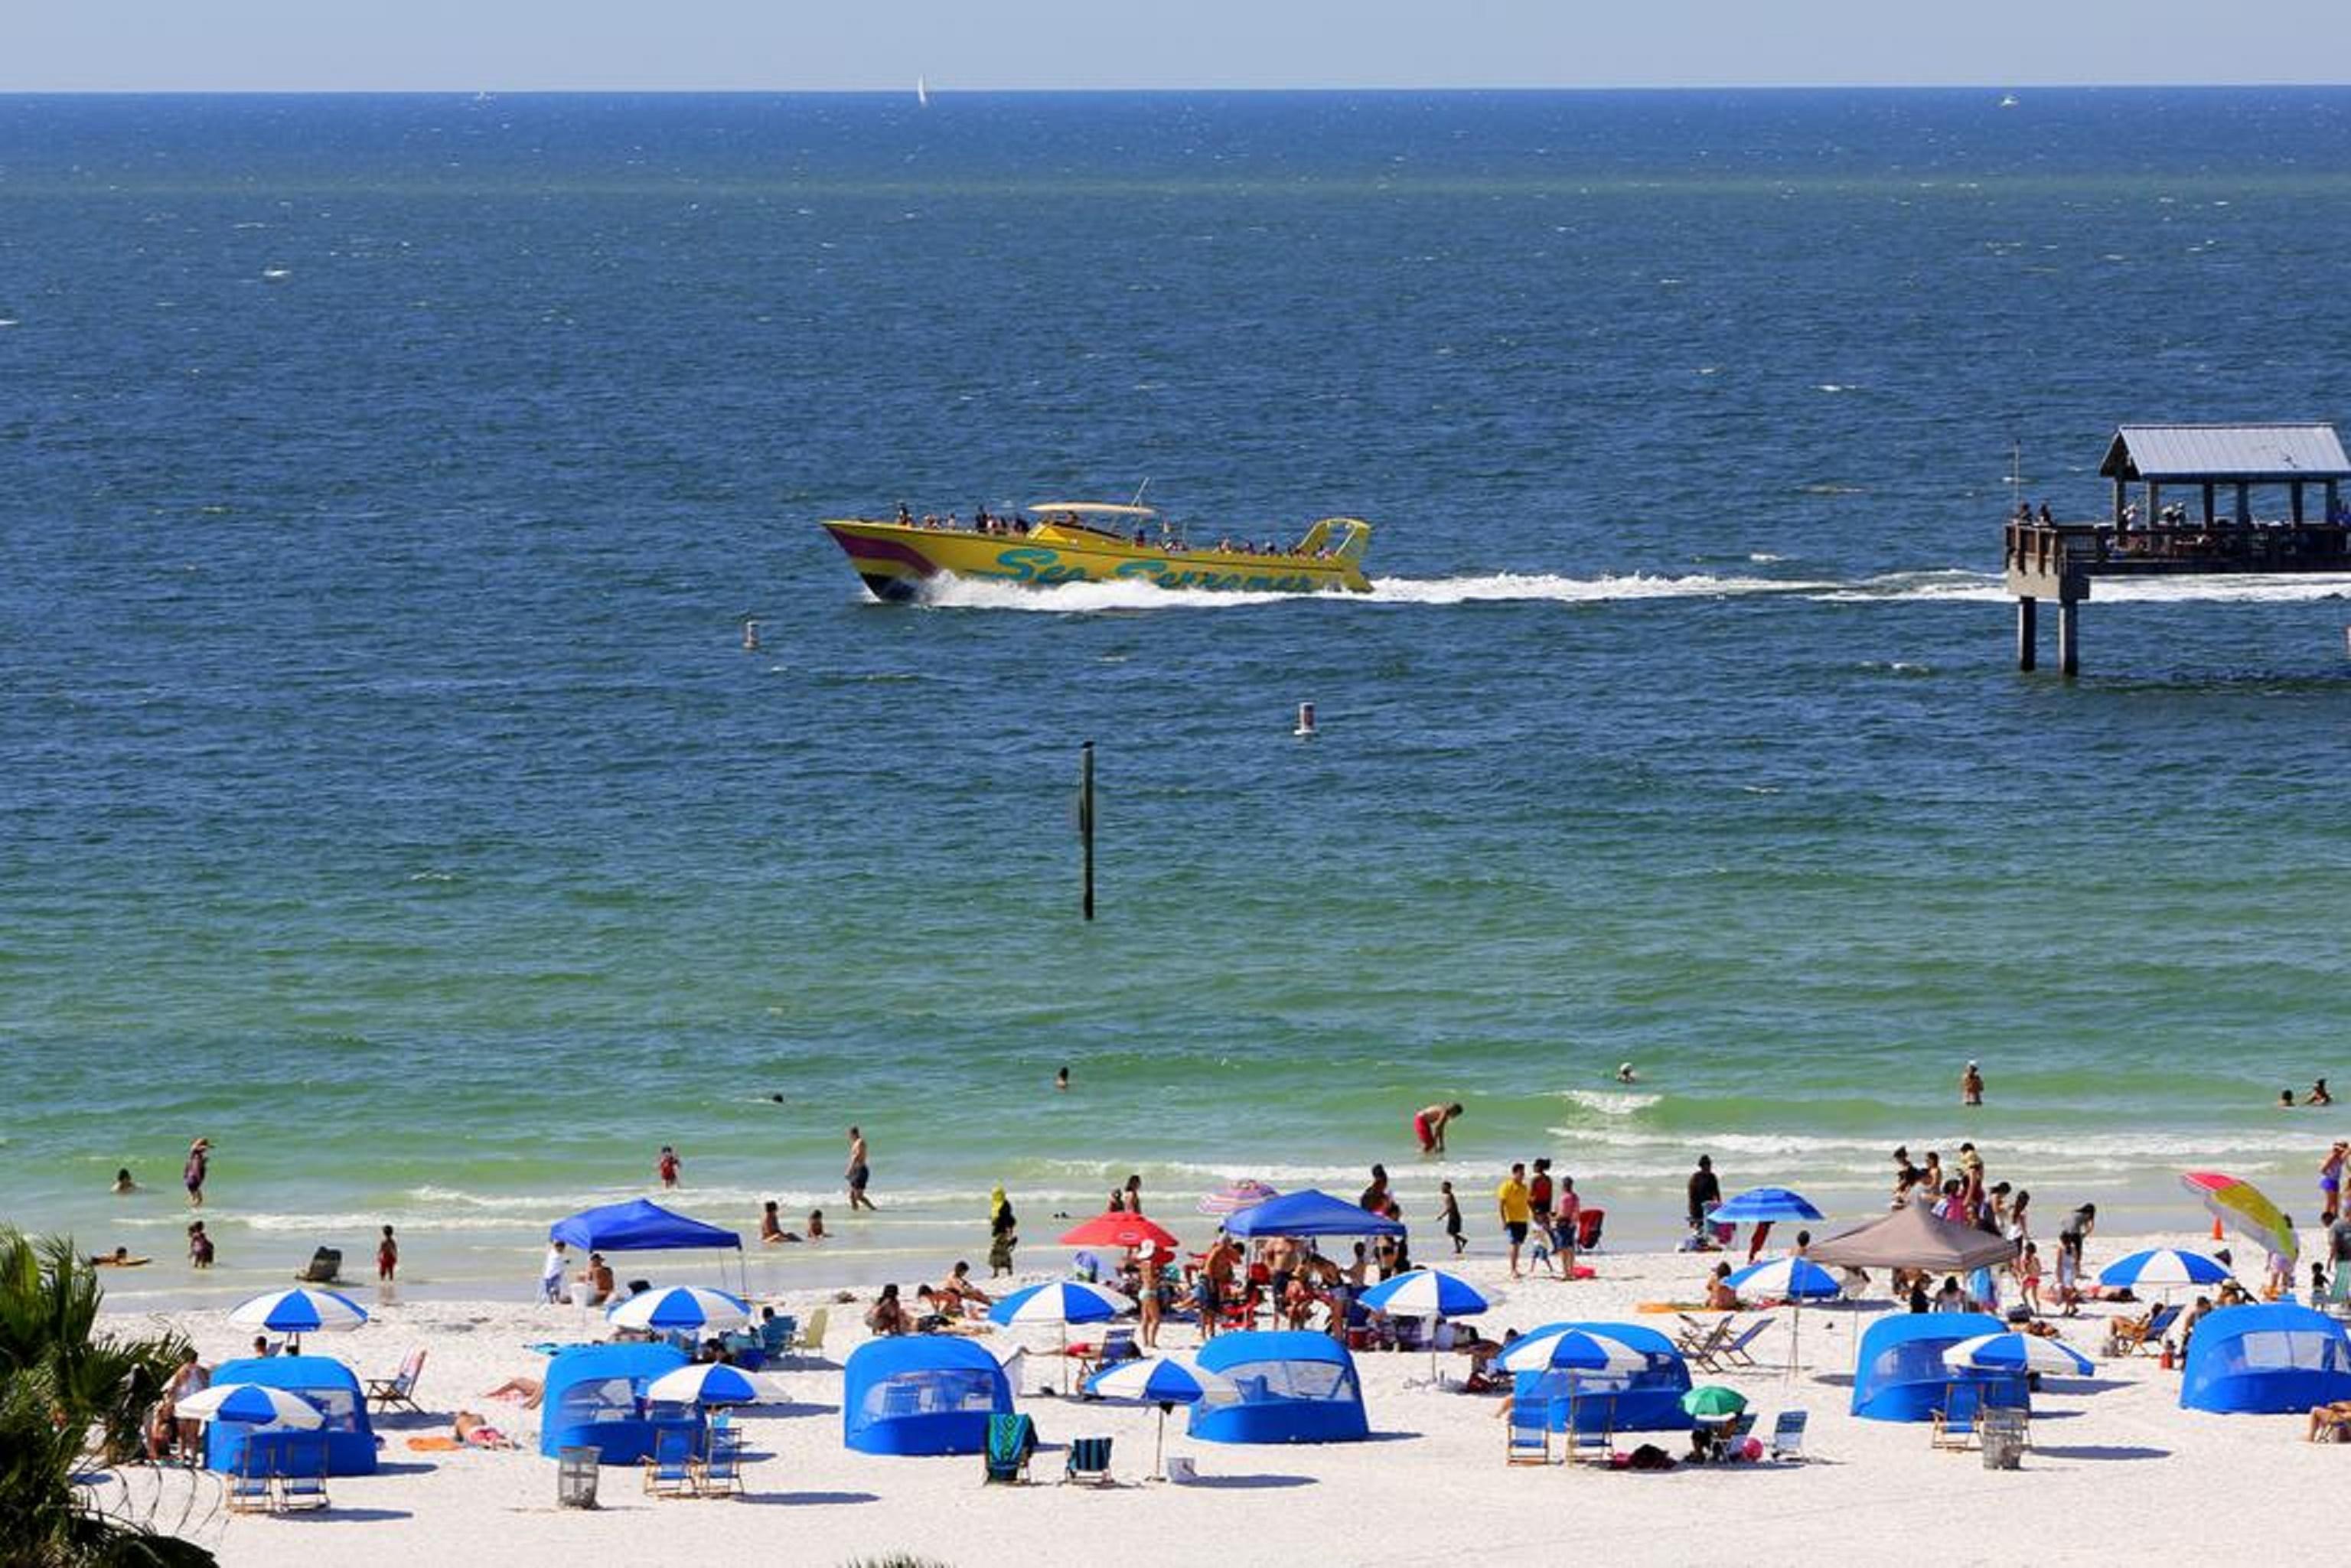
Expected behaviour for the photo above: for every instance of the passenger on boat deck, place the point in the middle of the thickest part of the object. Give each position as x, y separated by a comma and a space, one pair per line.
1140, 538
980, 521
904, 517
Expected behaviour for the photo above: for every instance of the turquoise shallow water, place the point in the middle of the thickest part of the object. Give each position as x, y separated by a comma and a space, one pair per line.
389, 799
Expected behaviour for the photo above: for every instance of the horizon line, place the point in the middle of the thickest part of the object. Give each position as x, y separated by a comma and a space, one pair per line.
1162, 90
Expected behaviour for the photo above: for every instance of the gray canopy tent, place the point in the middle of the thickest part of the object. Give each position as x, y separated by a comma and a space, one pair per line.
1911, 1237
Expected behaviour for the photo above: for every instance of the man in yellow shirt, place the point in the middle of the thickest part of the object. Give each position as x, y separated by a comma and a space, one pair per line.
1518, 1208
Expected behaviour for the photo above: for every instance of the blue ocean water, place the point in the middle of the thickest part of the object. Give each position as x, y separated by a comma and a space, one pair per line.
389, 797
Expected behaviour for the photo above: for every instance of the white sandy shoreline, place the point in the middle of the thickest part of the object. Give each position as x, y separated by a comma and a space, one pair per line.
2118, 1470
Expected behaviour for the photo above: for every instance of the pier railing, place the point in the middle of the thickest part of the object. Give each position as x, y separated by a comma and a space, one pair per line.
2055, 551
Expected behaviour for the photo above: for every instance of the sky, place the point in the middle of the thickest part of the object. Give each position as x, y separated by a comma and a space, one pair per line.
465, 46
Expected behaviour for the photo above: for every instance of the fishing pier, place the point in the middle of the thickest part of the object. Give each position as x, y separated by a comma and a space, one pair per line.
2211, 471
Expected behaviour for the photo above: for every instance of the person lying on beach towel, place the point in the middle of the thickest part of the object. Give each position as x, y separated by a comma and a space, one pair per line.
475, 1432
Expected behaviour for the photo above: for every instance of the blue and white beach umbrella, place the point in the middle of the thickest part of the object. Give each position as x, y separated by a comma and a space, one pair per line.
1425, 1294
251, 1402
1790, 1278
711, 1382
1764, 1206
1058, 1301
1163, 1380
1573, 1350
2018, 1353
299, 1311
2162, 1266
681, 1307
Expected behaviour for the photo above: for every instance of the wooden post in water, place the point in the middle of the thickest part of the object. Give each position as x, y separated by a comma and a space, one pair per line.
1086, 821
2026, 632
2069, 643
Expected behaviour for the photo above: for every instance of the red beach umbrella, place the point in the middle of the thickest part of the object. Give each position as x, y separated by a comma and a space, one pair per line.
1117, 1230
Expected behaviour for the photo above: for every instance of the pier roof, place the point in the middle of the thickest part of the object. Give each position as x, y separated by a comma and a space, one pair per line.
2226, 453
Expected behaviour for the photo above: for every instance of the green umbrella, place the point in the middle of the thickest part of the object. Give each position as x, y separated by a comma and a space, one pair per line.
1714, 1403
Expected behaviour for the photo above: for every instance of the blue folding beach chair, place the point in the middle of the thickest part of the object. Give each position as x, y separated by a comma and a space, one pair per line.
1011, 1443
669, 1470
302, 1470
1530, 1427
1089, 1462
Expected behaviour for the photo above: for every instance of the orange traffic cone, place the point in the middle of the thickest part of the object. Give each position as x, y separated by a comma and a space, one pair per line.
2216, 1228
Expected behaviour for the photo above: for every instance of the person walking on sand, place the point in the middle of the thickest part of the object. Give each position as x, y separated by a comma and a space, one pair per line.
1428, 1124
1450, 1211
666, 1168
199, 1166
1517, 1209
2330, 1183
387, 1258
859, 1171
551, 1272
1971, 1086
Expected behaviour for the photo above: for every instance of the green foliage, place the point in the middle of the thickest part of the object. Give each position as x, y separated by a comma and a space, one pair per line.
69, 1394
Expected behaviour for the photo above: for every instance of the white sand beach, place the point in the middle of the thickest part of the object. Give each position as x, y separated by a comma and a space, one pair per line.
2116, 1470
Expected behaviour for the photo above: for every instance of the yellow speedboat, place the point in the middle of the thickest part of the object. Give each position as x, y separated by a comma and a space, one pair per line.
1095, 542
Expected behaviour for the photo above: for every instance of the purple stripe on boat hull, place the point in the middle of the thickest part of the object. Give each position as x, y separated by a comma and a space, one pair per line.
860, 548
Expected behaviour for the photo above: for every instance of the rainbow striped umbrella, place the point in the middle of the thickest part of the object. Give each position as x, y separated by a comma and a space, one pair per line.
1247, 1192
2242, 1206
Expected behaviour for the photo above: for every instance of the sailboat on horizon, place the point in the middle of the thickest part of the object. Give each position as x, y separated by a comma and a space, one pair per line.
922, 93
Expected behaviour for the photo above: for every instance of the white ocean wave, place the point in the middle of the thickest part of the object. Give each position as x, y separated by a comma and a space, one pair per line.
1611, 1102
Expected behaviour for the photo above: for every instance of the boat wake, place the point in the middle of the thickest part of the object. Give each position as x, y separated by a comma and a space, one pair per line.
1090, 598
1526, 588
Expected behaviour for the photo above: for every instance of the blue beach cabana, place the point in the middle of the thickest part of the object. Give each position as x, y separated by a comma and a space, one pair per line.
641, 1224
1648, 1401
923, 1394
594, 1397
1901, 1375
1296, 1387
325, 1383
2272, 1360
1310, 1213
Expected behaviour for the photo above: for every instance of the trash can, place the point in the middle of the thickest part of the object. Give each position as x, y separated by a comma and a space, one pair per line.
2003, 1446
576, 1470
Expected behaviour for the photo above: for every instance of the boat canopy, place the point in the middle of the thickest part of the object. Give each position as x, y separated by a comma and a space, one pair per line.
1097, 508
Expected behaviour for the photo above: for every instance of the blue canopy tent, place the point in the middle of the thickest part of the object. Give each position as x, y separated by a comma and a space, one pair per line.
594, 1397
1310, 1213
925, 1394
1900, 1376
1648, 1401
1296, 1387
2265, 1359
324, 1381
641, 1224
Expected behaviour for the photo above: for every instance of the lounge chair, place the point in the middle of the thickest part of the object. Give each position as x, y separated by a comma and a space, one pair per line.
1529, 1437
1117, 1346
810, 1342
326, 1267
1701, 1342
1089, 1463
301, 1468
1011, 1442
1591, 1425
1955, 1423
776, 1334
2131, 1336
720, 1471
400, 1388
253, 1485
669, 1470
1731, 1440
1788, 1436
1732, 1352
